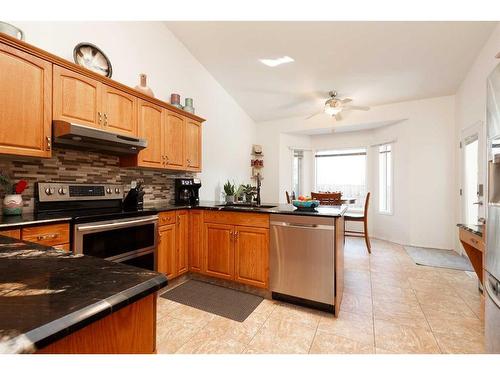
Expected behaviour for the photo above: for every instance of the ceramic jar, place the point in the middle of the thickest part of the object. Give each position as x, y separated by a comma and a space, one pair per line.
188, 107
13, 204
143, 87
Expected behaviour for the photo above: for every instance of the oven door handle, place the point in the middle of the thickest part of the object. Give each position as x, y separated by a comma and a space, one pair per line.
115, 225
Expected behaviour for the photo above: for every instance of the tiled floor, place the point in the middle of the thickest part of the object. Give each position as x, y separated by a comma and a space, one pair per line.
390, 305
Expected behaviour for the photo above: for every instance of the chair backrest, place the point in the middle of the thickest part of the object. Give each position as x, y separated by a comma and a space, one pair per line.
367, 202
329, 199
289, 196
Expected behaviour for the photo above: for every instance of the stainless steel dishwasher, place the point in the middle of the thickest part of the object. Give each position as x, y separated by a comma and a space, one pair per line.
301, 263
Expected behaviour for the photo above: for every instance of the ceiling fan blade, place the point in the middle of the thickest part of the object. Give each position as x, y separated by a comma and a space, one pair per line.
338, 116
356, 108
346, 100
314, 114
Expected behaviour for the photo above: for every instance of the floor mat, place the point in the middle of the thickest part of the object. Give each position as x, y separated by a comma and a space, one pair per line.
438, 258
229, 303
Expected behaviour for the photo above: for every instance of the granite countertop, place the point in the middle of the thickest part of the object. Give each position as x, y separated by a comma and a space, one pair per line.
31, 218
284, 209
477, 229
46, 294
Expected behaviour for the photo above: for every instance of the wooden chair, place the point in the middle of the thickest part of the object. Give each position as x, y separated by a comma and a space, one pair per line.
360, 217
290, 197
329, 199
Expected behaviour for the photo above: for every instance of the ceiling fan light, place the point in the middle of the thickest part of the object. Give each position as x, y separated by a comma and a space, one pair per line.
332, 111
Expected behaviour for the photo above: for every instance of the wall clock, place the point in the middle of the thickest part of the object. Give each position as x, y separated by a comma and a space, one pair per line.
92, 58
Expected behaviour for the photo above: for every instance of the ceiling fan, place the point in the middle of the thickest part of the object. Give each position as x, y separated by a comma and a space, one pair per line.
334, 106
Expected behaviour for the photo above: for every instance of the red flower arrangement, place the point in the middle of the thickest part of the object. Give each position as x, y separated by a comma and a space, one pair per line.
20, 186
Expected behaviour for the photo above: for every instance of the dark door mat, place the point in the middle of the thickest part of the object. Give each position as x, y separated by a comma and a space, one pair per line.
229, 303
438, 258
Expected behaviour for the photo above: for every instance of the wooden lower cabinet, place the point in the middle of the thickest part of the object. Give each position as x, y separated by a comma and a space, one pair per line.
251, 259
130, 330
13, 233
195, 240
182, 238
166, 251
48, 235
219, 250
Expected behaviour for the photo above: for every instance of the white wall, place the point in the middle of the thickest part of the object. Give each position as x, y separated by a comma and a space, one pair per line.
149, 47
471, 109
423, 166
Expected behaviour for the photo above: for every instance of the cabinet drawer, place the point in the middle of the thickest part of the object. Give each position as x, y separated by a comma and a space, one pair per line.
166, 218
14, 233
472, 239
49, 235
237, 218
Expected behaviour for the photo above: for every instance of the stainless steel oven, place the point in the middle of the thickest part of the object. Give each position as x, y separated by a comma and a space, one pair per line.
131, 241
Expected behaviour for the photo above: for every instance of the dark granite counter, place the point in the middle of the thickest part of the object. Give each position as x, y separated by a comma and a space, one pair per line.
46, 294
12, 222
284, 209
477, 229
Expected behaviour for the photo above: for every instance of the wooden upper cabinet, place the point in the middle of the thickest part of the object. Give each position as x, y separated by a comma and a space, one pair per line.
192, 145
166, 252
218, 250
26, 103
174, 141
182, 235
151, 119
77, 98
251, 256
119, 111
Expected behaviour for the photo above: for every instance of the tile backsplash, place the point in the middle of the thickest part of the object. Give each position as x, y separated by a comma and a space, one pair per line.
86, 167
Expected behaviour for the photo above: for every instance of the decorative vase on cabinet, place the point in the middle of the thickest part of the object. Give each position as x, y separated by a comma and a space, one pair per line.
143, 86
13, 204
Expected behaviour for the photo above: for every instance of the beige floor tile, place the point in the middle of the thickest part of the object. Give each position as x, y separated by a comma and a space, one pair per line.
460, 343
296, 314
172, 333
400, 313
384, 351
404, 339
445, 322
266, 307
444, 303
349, 325
164, 306
205, 342
325, 343
356, 304
279, 336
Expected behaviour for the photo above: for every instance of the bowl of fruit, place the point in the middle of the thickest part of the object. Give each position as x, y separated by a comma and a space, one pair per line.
305, 203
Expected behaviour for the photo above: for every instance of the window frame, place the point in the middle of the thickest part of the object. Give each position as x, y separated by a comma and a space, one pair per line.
390, 196
344, 149
300, 170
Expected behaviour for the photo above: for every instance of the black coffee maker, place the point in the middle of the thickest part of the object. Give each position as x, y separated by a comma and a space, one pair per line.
187, 191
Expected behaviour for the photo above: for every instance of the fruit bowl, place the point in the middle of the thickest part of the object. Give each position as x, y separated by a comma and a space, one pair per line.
309, 205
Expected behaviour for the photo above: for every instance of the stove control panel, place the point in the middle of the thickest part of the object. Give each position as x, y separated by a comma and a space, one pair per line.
62, 191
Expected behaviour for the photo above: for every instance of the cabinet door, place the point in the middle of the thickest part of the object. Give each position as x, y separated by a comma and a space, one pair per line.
119, 111
219, 250
252, 256
174, 141
192, 145
195, 240
26, 103
76, 98
151, 124
166, 252
182, 236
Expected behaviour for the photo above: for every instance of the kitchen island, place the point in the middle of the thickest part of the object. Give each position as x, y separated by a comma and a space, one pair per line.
55, 302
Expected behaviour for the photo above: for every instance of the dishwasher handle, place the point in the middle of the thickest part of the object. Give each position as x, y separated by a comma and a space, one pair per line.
302, 226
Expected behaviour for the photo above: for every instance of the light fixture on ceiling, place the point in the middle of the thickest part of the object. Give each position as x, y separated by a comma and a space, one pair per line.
332, 111
275, 62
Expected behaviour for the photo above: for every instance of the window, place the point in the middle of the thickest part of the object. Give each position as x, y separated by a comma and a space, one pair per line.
344, 171
385, 179
297, 171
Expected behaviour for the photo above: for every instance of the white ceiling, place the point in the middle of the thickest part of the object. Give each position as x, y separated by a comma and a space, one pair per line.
372, 62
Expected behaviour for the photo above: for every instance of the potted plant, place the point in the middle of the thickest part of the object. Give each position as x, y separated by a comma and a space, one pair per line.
13, 200
249, 192
229, 190
239, 193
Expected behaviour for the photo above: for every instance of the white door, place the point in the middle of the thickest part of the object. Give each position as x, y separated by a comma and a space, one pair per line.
473, 173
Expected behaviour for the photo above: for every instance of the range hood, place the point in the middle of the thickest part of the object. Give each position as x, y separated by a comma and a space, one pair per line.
71, 135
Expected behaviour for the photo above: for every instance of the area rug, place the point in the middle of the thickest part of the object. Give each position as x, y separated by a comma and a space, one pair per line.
229, 303
438, 258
